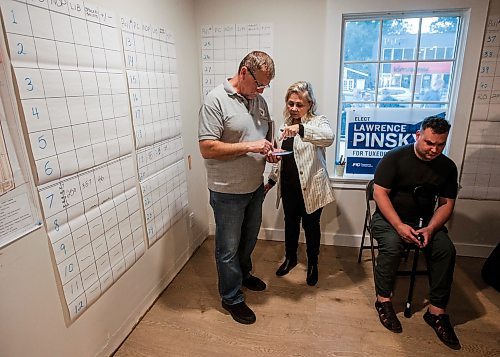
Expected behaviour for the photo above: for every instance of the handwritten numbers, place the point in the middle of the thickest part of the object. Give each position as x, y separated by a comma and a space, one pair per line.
20, 49
491, 39
35, 113
48, 169
50, 199
29, 84
13, 17
42, 143
78, 307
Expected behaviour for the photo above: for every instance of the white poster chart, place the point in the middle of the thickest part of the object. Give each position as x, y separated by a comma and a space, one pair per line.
153, 159
371, 132
19, 210
6, 176
68, 64
150, 60
165, 200
95, 229
224, 46
481, 166
481, 172
16, 216
487, 98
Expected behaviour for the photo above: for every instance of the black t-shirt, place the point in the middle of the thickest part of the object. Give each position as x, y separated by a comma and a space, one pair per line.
401, 171
290, 180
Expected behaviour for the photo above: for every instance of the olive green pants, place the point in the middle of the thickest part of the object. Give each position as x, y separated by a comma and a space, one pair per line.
440, 254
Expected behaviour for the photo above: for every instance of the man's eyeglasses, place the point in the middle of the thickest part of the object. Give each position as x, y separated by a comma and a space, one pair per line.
259, 85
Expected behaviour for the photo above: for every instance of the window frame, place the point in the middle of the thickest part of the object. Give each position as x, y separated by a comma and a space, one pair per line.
474, 17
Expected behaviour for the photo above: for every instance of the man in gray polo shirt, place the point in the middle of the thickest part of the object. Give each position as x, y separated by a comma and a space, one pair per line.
235, 134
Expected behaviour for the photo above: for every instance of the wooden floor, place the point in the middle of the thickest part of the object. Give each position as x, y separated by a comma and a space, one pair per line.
335, 318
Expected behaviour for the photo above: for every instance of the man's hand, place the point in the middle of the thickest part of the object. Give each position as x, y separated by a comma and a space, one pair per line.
408, 234
427, 233
273, 159
261, 146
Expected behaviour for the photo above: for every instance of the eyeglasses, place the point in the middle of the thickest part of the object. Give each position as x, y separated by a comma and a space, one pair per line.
259, 85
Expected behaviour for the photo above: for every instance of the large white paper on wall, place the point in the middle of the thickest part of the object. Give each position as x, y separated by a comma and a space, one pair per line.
150, 59
68, 65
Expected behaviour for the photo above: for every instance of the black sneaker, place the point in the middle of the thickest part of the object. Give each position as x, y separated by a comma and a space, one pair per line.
254, 283
442, 326
240, 312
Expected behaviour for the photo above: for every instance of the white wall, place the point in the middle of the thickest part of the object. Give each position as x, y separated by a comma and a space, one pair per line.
31, 317
307, 45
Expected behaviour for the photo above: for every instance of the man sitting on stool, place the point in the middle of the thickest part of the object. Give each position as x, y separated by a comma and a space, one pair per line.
396, 221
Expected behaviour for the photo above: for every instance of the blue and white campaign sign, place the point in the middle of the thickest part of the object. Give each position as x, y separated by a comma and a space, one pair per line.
371, 132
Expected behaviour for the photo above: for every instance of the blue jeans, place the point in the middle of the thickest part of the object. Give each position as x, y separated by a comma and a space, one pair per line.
237, 225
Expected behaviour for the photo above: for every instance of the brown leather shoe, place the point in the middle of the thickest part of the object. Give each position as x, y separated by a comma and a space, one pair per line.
443, 328
388, 317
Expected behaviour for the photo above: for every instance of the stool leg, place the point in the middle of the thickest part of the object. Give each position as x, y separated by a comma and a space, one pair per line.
407, 312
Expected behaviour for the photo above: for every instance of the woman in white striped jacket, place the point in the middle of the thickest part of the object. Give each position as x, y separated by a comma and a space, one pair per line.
303, 182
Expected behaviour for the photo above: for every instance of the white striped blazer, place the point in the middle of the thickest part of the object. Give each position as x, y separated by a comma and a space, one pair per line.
310, 158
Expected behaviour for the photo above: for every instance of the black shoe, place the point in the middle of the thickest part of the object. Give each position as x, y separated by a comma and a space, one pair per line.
388, 317
312, 274
254, 283
442, 326
287, 265
240, 312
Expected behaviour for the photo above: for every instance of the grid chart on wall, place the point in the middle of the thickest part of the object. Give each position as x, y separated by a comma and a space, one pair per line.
481, 169
165, 199
150, 59
224, 46
95, 229
69, 68
68, 63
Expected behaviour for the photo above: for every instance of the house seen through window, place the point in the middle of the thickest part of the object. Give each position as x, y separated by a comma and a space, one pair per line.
395, 71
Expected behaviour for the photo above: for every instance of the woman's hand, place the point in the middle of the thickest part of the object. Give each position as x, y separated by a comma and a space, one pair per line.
267, 187
290, 131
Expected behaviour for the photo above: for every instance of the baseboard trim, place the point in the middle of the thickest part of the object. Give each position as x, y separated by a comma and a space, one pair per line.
353, 240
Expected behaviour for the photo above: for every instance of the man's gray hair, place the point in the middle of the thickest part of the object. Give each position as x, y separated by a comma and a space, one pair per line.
258, 60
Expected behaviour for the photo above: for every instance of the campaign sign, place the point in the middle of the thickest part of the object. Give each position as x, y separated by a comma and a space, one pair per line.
371, 132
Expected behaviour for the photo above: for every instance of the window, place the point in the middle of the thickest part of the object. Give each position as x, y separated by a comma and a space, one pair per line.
394, 64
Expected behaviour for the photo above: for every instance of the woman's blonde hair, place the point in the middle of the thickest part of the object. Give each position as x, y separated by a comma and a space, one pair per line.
305, 90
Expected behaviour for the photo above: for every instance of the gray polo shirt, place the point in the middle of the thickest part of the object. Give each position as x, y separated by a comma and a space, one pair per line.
224, 116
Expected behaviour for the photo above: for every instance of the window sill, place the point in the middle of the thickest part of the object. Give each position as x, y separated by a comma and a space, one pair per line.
347, 182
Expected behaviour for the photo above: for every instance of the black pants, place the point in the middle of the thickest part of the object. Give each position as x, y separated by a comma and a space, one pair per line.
294, 210
440, 254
